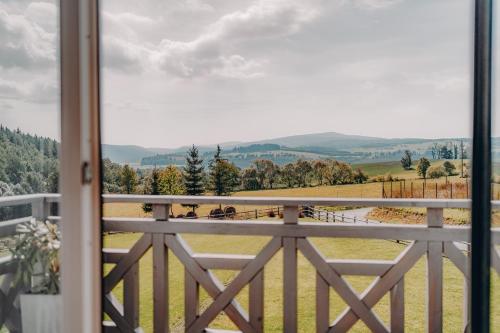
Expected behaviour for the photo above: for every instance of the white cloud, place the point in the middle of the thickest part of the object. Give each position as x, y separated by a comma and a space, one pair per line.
210, 54
36, 91
24, 43
44, 14
375, 4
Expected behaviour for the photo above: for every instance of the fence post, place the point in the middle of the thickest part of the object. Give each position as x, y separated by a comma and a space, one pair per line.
434, 274
400, 189
391, 189
160, 273
290, 216
436, 189
411, 189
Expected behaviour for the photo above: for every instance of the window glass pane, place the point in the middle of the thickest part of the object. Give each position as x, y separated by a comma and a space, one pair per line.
336, 99
29, 165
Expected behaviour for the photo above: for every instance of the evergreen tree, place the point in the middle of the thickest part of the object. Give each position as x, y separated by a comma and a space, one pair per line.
193, 174
152, 187
224, 175
406, 160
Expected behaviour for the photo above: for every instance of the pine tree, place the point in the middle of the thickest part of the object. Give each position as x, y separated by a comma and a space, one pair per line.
193, 174
216, 173
224, 175
152, 188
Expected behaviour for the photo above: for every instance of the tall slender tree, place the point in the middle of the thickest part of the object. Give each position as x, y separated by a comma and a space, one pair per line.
193, 174
224, 175
152, 187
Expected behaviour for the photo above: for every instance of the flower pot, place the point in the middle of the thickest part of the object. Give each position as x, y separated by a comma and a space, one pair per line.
41, 313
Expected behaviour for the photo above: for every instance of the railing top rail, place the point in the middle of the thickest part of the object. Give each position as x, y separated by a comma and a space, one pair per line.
26, 199
255, 201
292, 201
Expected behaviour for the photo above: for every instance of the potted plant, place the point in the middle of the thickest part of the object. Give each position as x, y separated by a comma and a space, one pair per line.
36, 251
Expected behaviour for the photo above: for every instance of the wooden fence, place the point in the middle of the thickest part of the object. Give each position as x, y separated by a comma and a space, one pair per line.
432, 189
163, 235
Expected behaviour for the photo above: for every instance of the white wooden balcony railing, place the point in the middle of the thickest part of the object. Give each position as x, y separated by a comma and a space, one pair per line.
161, 233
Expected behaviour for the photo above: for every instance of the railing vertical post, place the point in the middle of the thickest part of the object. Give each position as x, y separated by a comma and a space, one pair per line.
291, 214
434, 274
191, 299
398, 307
40, 209
160, 274
256, 302
322, 304
131, 296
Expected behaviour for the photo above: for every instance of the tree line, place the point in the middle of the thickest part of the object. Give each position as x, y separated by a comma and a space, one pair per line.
222, 177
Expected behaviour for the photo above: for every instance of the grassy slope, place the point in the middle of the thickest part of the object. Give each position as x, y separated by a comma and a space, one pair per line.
339, 248
394, 168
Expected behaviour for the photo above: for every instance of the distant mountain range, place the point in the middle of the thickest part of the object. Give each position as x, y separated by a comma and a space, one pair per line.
349, 148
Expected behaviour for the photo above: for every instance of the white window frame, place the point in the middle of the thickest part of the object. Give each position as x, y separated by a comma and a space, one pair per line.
80, 167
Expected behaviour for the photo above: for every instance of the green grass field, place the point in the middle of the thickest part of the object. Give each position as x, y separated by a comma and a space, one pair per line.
415, 285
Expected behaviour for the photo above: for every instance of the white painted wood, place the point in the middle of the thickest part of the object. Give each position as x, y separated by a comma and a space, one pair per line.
222, 261
136, 252
300, 230
397, 305
259, 201
344, 290
40, 209
114, 310
360, 266
113, 256
292, 201
322, 304
80, 145
228, 294
457, 257
209, 282
289, 284
131, 296
435, 274
160, 285
256, 302
381, 285
191, 299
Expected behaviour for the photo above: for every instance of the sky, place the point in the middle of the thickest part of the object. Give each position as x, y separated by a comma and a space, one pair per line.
182, 72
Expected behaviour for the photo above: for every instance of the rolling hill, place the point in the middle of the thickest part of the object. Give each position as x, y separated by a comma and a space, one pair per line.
349, 148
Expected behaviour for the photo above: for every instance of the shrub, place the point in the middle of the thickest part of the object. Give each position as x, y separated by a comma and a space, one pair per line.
449, 168
436, 172
271, 213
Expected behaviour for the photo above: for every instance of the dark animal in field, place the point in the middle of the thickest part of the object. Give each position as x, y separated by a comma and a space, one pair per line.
191, 215
230, 212
216, 213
